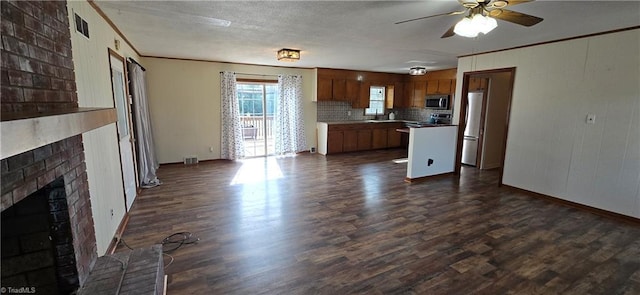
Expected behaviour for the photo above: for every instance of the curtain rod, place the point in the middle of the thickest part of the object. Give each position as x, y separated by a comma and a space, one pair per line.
134, 61
247, 74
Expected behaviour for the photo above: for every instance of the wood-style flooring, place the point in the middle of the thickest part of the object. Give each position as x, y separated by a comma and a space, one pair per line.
348, 223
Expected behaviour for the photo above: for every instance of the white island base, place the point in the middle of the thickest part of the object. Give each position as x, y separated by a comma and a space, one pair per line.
432, 151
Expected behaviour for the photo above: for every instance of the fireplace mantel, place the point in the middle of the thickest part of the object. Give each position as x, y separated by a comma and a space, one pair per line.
21, 132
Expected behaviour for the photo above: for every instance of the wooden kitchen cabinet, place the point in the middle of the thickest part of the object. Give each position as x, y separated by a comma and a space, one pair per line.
400, 99
334, 142
419, 91
339, 89
350, 141
379, 138
394, 138
444, 86
362, 100
477, 84
364, 139
408, 92
325, 89
352, 91
359, 137
432, 87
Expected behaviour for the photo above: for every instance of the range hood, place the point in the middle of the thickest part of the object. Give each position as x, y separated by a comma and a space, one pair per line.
21, 132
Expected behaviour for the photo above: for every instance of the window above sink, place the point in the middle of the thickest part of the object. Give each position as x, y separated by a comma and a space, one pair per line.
377, 101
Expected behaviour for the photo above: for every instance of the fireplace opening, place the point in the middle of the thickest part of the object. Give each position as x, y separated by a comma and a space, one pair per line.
37, 244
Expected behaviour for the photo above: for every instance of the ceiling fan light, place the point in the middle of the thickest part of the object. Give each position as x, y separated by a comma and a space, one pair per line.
466, 28
417, 71
487, 24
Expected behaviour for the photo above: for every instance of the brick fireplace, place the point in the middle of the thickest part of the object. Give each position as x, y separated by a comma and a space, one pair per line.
38, 78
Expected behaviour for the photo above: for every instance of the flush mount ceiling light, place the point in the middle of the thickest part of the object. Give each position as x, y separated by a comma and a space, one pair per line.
286, 54
417, 71
471, 26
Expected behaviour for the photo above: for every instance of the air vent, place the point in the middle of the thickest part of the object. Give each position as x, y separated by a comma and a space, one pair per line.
82, 26
190, 160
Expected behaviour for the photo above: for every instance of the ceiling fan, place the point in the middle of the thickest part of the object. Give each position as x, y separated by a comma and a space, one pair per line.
481, 17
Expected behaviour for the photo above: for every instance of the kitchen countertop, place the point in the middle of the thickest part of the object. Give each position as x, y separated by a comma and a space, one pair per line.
410, 124
367, 121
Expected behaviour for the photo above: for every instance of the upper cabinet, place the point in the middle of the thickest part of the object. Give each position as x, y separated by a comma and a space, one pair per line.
361, 93
399, 99
441, 86
478, 84
419, 91
339, 89
325, 92
408, 91
352, 90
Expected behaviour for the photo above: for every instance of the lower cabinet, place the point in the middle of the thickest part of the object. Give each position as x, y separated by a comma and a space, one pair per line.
335, 142
350, 141
379, 139
362, 137
364, 140
394, 138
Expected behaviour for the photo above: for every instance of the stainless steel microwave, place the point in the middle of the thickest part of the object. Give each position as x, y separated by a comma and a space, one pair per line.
437, 102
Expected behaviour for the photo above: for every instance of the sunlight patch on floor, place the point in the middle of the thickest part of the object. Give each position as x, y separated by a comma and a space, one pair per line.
257, 170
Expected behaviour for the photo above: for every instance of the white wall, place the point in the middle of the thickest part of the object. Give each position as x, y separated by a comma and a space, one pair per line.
550, 147
496, 115
432, 143
91, 62
184, 101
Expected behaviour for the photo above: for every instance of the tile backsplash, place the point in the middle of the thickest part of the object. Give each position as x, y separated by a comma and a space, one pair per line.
333, 111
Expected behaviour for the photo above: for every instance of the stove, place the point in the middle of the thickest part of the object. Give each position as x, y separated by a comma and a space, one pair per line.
436, 118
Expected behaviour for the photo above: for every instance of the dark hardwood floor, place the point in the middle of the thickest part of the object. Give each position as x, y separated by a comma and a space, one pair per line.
348, 223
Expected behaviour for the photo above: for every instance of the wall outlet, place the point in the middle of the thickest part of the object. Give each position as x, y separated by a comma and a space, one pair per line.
211, 149
591, 118
349, 113
112, 214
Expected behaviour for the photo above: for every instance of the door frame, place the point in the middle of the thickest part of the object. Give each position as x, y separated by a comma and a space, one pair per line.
111, 53
462, 123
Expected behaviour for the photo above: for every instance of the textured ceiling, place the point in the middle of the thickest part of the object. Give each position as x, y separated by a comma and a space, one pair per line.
357, 35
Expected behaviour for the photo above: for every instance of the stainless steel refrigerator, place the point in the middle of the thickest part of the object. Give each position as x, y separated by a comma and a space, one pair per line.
472, 131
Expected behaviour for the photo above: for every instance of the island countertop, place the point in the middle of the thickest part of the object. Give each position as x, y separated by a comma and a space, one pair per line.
365, 121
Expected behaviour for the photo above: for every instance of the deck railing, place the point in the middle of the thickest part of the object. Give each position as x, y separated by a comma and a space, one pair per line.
253, 127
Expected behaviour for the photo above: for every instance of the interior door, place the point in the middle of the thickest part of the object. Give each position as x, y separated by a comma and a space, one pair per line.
125, 137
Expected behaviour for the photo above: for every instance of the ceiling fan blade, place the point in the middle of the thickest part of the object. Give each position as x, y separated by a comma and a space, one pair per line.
505, 3
515, 17
424, 17
516, 2
449, 32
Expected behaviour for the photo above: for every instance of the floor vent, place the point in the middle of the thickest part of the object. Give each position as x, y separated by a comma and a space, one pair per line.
191, 160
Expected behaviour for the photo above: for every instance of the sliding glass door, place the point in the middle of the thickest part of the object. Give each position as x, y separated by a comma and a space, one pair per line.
257, 108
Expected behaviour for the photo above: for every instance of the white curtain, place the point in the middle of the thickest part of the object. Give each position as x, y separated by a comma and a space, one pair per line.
232, 143
289, 118
146, 156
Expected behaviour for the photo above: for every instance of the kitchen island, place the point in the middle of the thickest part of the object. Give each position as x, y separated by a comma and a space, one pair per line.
432, 150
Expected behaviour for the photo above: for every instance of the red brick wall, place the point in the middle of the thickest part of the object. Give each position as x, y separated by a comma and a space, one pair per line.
37, 68
38, 75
